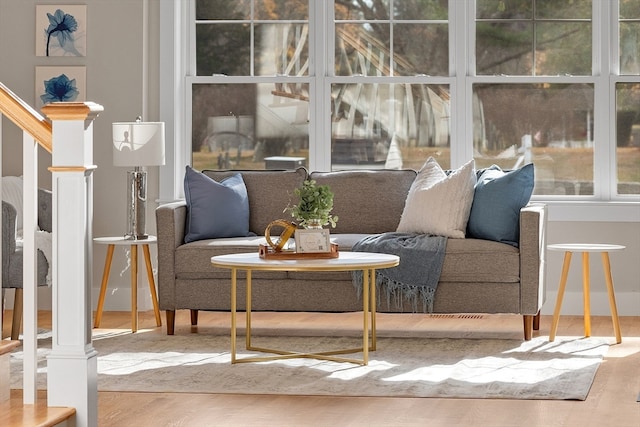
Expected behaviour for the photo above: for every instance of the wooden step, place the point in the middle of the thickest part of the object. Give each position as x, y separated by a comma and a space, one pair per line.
6, 347
14, 413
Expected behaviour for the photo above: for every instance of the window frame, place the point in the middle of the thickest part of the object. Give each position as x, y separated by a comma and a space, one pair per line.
177, 72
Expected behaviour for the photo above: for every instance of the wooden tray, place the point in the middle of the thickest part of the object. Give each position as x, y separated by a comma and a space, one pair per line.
267, 252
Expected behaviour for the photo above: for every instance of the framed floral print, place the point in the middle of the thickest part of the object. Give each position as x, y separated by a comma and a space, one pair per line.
60, 84
61, 30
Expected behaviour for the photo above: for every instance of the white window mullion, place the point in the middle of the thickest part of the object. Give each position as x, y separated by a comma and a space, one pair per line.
461, 36
320, 23
604, 179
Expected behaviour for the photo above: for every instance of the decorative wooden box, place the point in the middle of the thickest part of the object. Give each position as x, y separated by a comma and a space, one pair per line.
267, 252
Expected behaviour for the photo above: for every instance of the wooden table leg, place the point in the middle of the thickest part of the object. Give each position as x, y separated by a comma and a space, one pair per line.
612, 297
561, 288
134, 288
152, 284
586, 294
103, 286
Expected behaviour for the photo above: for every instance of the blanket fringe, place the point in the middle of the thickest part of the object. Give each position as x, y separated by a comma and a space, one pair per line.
397, 293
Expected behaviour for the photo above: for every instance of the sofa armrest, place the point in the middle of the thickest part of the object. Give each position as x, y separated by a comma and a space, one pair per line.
170, 223
533, 248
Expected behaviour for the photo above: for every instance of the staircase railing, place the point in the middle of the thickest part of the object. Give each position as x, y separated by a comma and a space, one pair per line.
25, 117
35, 130
67, 133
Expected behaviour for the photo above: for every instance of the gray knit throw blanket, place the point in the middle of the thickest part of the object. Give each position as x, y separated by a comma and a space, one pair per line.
415, 279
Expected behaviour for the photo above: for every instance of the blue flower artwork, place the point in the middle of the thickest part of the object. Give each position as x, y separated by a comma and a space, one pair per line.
59, 89
60, 30
61, 25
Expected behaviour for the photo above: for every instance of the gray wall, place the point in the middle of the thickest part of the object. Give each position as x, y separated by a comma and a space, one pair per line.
114, 64
115, 79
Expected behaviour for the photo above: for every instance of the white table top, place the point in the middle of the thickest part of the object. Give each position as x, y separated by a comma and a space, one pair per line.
346, 261
122, 241
585, 247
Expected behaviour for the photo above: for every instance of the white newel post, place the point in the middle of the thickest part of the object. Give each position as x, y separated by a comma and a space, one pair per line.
72, 364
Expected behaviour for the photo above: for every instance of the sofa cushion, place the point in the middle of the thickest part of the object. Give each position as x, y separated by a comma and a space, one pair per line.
499, 196
480, 261
193, 260
215, 209
438, 203
270, 192
366, 201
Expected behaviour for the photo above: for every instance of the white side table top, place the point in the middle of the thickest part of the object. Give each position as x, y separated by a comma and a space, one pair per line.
585, 247
122, 241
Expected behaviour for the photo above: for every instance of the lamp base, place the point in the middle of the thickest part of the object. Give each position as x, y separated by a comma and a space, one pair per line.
136, 204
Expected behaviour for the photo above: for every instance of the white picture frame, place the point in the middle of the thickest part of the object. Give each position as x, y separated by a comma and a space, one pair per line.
312, 240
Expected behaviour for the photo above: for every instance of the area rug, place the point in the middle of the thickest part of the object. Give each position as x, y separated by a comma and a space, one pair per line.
401, 367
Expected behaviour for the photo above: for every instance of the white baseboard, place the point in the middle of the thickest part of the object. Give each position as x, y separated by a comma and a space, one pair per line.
119, 299
628, 304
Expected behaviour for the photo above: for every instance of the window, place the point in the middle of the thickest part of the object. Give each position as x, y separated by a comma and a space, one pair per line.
541, 120
384, 110
347, 84
264, 47
627, 95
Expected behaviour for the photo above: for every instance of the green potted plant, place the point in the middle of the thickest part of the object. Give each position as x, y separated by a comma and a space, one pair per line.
313, 209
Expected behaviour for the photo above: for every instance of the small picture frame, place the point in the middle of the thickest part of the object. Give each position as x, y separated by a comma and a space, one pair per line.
312, 240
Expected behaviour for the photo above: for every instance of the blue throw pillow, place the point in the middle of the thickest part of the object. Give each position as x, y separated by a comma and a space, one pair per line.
497, 200
215, 209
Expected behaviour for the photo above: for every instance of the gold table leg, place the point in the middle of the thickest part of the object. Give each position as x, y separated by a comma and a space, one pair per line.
372, 306
368, 307
365, 310
248, 305
234, 275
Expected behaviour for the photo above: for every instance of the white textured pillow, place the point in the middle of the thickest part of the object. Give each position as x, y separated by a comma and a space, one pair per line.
437, 203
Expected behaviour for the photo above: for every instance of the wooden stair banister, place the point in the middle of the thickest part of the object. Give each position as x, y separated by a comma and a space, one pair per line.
25, 117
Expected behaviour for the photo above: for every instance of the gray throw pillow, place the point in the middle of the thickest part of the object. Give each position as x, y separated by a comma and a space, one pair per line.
215, 209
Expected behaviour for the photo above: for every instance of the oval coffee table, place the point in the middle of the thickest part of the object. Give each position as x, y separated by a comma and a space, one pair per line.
367, 262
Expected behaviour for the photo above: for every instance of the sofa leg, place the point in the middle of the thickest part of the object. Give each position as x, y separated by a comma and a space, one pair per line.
536, 322
194, 317
528, 327
171, 321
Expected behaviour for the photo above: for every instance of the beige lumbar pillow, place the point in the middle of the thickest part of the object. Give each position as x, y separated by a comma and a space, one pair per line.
437, 203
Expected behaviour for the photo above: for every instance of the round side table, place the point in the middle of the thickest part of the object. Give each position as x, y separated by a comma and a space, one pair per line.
112, 242
585, 249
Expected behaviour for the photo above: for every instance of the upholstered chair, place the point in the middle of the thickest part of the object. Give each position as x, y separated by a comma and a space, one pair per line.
12, 273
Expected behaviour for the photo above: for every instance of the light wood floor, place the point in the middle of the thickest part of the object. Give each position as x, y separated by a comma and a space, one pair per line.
611, 401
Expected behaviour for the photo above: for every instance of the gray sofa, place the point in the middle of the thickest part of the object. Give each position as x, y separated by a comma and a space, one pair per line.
478, 276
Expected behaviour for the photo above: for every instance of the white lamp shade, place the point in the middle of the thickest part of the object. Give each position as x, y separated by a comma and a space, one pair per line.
138, 144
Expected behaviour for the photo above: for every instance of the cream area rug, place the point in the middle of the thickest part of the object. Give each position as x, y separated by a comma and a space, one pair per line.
401, 367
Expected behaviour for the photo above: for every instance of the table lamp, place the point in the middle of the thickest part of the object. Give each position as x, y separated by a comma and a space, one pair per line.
137, 144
